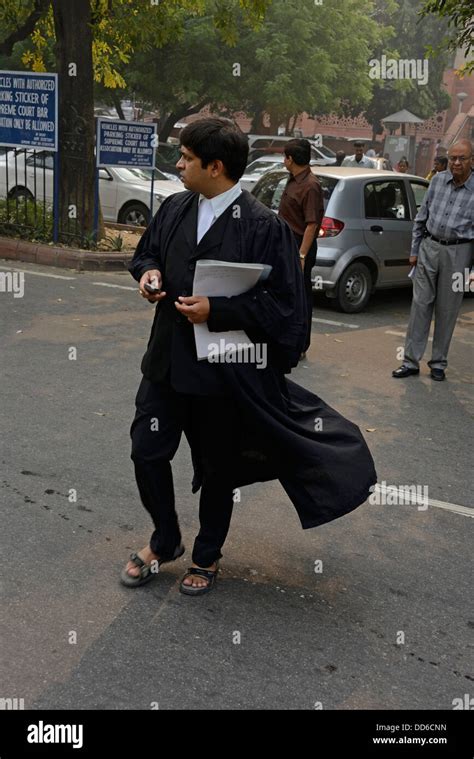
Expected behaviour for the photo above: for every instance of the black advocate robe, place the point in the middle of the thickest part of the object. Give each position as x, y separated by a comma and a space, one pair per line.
287, 432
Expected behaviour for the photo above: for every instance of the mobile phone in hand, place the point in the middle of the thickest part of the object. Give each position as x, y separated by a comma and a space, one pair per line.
152, 290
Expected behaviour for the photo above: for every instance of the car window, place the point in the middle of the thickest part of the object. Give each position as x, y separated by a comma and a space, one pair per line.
261, 144
386, 200
132, 173
419, 191
326, 152
328, 185
259, 167
280, 188
41, 160
270, 189
169, 153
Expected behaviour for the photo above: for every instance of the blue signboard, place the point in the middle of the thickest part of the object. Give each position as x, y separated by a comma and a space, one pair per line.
29, 110
126, 143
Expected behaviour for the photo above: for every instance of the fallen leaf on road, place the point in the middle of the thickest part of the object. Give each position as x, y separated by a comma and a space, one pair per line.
99, 413
338, 341
19, 331
371, 429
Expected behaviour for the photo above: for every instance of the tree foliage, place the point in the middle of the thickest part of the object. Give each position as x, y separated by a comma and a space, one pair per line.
459, 15
410, 40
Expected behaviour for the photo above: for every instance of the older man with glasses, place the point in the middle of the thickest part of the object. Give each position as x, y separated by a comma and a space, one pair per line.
442, 251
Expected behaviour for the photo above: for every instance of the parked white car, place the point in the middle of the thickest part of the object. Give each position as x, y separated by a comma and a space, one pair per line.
125, 192
258, 168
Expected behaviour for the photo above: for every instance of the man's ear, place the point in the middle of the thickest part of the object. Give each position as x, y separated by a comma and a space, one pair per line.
217, 167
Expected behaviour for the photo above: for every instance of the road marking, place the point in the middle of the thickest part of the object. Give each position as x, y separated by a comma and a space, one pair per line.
336, 324
36, 273
402, 334
410, 499
120, 287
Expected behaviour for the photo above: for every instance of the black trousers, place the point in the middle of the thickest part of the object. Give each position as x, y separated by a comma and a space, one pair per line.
308, 285
210, 424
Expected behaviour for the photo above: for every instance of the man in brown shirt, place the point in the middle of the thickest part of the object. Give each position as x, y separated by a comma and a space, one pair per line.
302, 208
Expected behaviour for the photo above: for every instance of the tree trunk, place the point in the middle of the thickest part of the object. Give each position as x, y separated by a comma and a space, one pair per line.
117, 104
166, 125
72, 23
167, 122
275, 122
257, 122
295, 119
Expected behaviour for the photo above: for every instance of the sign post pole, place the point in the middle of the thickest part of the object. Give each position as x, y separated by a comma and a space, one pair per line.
56, 199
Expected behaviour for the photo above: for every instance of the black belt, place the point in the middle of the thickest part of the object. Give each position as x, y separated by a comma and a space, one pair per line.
457, 241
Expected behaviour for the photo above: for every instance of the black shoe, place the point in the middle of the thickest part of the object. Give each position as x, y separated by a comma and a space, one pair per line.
404, 371
438, 375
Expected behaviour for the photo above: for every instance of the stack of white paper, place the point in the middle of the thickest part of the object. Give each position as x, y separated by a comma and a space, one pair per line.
223, 279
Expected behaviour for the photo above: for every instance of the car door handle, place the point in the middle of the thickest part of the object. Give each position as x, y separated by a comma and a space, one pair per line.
376, 228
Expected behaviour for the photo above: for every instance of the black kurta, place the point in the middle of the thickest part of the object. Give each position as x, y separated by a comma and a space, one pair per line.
287, 432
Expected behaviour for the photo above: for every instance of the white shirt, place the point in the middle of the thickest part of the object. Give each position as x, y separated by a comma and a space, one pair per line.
364, 163
211, 208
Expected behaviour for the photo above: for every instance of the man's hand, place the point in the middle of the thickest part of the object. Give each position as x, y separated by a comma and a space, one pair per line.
413, 260
195, 307
302, 262
153, 278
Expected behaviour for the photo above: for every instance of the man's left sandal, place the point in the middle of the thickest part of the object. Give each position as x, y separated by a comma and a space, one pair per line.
208, 575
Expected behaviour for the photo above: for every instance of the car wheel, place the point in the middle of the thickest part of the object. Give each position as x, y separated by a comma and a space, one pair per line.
354, 288
20, 192
135, 214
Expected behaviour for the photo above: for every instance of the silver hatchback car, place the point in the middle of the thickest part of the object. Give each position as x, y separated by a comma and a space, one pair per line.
365, 238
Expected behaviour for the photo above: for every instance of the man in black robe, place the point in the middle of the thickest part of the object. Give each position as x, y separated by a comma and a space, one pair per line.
244, 421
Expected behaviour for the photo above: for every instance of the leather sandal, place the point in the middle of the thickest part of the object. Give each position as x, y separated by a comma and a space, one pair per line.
208, 574
147, 571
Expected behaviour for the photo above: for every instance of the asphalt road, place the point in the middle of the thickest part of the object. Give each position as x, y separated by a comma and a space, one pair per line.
387, 623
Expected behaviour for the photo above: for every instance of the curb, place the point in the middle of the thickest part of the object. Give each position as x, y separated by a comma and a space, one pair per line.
68, 258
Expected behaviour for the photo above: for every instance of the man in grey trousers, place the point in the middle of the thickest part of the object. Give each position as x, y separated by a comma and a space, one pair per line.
442, 251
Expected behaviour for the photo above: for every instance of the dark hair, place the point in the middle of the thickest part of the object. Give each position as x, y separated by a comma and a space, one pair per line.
359, 144
299, 150
442, 159
217, 139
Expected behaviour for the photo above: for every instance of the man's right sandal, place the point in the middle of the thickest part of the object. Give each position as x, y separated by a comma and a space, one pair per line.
147, 571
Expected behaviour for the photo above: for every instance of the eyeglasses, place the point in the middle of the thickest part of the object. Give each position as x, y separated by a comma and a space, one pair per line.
461, 159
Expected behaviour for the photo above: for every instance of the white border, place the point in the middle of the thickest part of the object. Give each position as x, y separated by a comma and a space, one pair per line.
56, 92
100, 119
